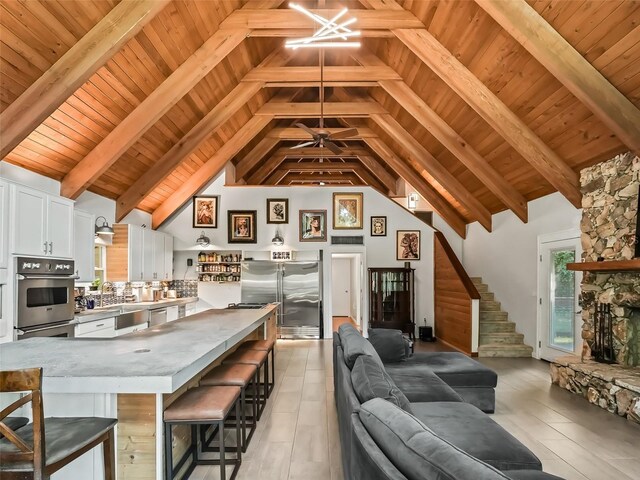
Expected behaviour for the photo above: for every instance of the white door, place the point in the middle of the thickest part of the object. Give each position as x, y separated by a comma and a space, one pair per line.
341, 287
28, 221
83, 245
148, 255
136, 272
560, 319
168, 257
60, 227
4, 224
158, 255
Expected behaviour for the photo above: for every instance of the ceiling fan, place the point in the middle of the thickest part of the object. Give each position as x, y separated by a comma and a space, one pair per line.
321, 137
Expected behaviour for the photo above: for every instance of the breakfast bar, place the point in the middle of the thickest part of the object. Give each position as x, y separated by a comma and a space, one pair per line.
133, 378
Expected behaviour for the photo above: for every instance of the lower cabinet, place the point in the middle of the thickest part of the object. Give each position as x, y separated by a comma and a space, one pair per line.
190, 309
134, 328
172, 313
105, 328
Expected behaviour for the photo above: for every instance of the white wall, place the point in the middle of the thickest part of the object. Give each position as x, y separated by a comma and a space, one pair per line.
378, 251
506, 258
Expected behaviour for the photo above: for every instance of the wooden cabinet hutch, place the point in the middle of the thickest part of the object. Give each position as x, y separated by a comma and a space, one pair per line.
392, 299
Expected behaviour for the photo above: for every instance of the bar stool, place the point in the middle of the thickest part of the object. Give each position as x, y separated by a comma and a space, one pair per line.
252, 357
41, 448
202, 406
267, 345
237, 375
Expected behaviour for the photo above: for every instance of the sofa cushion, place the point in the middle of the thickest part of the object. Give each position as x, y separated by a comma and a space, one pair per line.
415, 450
421, 385
389, 344
354, 345
456, 369
469, 429
530, 475
369, 381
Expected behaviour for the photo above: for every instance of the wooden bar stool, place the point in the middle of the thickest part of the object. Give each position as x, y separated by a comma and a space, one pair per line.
202, 406
252, 357
269, 347
39, 449
238, 375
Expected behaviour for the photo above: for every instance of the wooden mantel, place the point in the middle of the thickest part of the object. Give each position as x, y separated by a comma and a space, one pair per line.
606, 266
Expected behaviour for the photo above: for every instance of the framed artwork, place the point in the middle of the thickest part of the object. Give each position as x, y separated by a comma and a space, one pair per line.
205, 211
347, 211
277, 210
313, 225
408, 245
241, 226
379, 226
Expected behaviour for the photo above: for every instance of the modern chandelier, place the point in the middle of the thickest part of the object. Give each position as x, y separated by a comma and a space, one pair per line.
330, 35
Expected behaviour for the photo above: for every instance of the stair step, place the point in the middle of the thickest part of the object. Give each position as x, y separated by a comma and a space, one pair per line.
476, 280
481, 287
489, 305
487, 296
504, 350
497, 327
493, 316
513, 338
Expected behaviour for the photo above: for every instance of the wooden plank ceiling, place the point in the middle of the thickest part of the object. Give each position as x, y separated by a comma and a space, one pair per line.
480, 106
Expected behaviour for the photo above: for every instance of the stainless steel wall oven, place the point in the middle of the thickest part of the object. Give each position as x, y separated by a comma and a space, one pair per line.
45, 302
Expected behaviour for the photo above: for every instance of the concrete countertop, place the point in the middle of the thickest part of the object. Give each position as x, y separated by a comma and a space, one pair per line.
156, 360
101, 313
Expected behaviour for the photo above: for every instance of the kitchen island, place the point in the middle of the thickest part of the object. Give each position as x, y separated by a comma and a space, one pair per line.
133, 378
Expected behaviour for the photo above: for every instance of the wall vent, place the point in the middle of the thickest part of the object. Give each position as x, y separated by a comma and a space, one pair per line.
347, 240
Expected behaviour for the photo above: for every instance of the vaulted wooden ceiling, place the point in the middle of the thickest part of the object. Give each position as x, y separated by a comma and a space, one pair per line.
480, 106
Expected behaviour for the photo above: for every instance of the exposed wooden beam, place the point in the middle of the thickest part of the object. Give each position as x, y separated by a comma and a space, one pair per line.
150, 110
256, 154
343, 178
317, 152
439, 204
275, 177
305, 32
314, 84
209, 169
434, 169
81, 61
557, 55
223, 111
295, 133
470, 158
381, 4
266, 168
293, 166
274, 20
493, 111
330, 74
312, 109
388, 180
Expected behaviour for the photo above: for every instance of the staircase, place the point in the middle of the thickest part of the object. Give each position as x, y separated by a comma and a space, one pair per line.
498, 336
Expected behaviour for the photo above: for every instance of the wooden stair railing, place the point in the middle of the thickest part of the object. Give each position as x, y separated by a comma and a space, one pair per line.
456, 300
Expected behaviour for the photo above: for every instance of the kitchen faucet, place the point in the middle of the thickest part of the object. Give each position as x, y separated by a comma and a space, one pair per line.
108, 287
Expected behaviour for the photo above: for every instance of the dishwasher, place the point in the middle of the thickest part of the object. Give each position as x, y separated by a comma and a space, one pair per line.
157, 317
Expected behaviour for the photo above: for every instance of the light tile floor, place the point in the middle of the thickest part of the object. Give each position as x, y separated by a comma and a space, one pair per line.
297, 437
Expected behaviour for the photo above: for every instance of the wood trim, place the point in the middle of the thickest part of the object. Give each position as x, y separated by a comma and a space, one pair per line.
434, 168
471, 289
261, 175
81, 61
209, 169
558, 56
312, 109
606, 266
150, 110
312, 74
493, 111
294, 133
257, 153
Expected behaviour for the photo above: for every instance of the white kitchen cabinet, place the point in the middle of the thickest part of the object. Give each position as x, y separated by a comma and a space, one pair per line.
190, 309
134, 328
135, 253
105, 328
148, 255
168, 257
42, 224
4, 224
172, 313
158, 255
83, 245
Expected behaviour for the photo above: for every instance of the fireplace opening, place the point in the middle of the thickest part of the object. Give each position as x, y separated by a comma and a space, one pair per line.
603, 350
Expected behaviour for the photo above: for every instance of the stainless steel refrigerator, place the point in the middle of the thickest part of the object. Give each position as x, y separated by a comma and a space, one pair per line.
295, 285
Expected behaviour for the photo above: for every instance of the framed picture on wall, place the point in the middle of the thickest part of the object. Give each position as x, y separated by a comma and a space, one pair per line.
379, 226
277, 210
241, 226
408, 245
347, 211
205, 211
313, 225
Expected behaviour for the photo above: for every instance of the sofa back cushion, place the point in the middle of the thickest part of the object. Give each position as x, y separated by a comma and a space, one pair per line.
370, 380
354, 344
390, 344
415, 450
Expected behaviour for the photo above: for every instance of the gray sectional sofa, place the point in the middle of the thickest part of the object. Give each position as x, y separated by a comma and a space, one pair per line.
416, 426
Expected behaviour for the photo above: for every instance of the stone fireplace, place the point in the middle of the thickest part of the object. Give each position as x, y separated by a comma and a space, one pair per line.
610, 203
610, 206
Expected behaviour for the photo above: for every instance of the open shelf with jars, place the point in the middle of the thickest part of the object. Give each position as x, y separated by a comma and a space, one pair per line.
219, 267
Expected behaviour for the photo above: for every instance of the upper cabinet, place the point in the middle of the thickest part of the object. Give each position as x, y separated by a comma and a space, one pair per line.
42, 224
4, 224
83, 245
139, 254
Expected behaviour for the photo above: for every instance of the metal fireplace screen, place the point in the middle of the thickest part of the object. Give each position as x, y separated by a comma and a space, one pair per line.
603, 330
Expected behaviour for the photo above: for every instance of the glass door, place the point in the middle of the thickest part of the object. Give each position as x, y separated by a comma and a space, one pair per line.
560, 315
